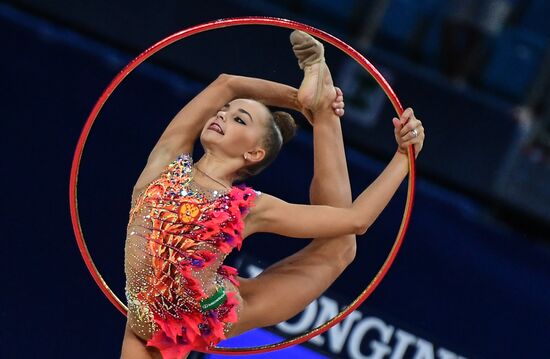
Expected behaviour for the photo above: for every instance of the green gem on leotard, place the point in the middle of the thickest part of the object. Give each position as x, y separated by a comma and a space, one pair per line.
214, 301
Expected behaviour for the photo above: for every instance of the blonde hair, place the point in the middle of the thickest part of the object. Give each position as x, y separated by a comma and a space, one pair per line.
280, 129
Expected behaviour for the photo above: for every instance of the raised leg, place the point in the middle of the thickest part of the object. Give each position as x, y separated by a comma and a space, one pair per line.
287, 287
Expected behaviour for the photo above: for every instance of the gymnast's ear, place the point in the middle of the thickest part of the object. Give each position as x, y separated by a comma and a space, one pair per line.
254, 156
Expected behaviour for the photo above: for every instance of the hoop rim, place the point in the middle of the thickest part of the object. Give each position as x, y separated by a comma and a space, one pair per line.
218, 24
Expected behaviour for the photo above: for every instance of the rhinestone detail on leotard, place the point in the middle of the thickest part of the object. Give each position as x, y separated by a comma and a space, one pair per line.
178, 235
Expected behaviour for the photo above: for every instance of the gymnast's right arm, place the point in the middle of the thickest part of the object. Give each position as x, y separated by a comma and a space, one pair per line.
184, 129
188, 123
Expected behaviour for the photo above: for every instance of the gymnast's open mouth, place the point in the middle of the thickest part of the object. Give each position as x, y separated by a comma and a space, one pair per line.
215, 127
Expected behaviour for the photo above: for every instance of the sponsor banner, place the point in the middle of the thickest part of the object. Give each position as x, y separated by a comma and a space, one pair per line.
359, 335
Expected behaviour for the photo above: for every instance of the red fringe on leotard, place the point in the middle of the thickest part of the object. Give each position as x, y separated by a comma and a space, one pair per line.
220, 224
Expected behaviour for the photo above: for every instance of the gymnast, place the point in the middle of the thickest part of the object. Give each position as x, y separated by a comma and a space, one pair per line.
187, 216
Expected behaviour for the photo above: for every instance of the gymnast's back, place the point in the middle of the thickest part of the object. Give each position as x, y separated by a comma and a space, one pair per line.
178, 236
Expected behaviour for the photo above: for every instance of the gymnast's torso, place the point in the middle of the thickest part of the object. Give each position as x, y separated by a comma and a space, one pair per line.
179, 292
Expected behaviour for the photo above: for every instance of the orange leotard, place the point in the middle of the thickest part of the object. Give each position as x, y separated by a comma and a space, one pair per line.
178, 236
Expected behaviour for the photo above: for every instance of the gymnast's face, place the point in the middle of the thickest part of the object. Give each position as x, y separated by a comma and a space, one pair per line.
238, 128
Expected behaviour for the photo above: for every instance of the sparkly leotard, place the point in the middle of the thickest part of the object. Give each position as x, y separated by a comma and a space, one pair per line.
178, 236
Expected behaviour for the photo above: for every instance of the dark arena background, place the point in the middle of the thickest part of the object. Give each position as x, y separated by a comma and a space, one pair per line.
472, 279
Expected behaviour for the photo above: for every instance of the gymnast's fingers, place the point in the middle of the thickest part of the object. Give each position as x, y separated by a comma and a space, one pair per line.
411, 125
406, 115
415, 133
338, 105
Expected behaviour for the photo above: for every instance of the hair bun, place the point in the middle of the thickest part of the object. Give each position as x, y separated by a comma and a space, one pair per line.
286, 124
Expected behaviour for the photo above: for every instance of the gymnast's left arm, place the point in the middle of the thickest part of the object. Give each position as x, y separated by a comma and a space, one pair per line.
271, 214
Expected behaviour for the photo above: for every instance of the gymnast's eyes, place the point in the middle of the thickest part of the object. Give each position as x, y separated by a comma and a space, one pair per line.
240, 120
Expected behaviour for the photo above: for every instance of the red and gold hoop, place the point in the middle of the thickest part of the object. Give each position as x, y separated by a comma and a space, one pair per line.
360, 59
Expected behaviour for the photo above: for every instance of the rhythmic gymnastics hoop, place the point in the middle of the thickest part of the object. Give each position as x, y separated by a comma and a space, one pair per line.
217, 24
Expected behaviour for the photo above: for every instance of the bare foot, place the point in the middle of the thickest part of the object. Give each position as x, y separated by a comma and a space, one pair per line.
316, 90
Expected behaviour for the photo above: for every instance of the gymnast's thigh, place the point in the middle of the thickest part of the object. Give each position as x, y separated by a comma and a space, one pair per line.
134, 347
276, 295
248, 313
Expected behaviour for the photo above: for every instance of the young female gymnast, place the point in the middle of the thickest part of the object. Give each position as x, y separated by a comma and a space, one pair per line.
186, 217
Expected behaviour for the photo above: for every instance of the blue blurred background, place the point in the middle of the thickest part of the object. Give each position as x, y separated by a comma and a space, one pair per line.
472, 279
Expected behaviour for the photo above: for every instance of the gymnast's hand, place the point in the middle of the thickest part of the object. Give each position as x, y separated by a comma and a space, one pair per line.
338, 104
337, 107
408, 131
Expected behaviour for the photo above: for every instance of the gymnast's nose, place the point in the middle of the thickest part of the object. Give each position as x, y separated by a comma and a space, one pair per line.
221, 115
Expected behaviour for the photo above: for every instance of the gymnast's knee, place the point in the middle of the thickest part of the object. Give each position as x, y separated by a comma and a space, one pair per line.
349, 250
345, 253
